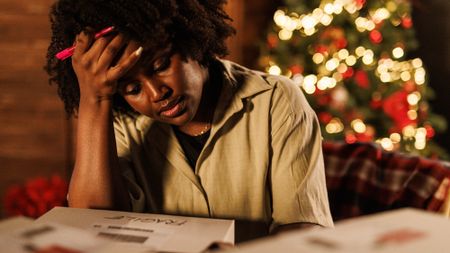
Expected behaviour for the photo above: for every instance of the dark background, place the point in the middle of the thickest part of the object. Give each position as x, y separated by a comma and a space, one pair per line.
36, 139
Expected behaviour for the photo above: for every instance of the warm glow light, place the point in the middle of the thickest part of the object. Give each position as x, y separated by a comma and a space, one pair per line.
380, 15
326, 19
309, 84
334, 126
420, 145
367, 59
413, 98
419, 76
412, 114
280, 18
308, 22
342, 68
318, 58
298, 79
328, 8
387, 144
359, 51
337, 7
359, 126
285, 34
408, 131
309, 31
385, 77
274, 70
405, 76
332, 64
343, 54
417, 63
351, 60
395, 137
398, 52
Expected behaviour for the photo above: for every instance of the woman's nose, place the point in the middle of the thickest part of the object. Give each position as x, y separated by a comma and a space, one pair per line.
157, 91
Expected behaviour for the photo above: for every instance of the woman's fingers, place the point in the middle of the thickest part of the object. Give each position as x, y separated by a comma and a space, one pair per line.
83, 42
111, 50
124, 65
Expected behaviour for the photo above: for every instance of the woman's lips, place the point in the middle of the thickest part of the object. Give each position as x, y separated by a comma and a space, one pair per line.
173, 109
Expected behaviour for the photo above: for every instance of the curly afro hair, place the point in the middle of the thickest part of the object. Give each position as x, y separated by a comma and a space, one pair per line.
195, 29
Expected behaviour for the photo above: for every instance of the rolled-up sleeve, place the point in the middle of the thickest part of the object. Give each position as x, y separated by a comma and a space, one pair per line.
298, 187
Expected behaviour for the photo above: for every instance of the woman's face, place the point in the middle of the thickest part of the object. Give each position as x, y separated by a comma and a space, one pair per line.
167, 89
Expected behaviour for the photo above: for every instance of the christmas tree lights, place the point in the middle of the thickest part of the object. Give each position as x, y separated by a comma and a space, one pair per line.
351, 59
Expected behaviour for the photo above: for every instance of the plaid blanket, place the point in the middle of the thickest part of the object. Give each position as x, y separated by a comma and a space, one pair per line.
364, 179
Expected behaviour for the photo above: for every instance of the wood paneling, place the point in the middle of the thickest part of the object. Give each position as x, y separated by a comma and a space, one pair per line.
32, 121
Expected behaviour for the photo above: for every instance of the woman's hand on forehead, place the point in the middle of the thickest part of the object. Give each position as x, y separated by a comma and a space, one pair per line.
100, 63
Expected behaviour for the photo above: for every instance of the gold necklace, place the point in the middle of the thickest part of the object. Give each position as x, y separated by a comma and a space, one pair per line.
206, 129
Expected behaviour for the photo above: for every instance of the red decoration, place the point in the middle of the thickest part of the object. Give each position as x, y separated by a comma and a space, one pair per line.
360, 3
341, 43
323, 100
409, 86
349, 73
350, 138
36, 197
272, 40
324, 117
430, 131
321, 49
376, 103
396, 106
296, 69
362, 79
375, 36
407, 22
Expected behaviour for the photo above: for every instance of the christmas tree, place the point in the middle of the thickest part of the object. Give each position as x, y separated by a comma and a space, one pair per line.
352, 58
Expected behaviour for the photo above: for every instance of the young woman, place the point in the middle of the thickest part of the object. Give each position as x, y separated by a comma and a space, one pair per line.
166, 126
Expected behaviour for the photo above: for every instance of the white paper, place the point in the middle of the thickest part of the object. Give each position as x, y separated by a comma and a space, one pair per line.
151, 231
50, 237
404, 230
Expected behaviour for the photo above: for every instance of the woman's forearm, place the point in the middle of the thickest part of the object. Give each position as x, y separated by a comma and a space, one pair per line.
95, 181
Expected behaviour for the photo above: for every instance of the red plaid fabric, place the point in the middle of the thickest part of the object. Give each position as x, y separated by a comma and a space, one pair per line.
364, 179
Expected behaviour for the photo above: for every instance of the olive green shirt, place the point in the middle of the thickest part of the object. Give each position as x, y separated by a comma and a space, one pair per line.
262, 161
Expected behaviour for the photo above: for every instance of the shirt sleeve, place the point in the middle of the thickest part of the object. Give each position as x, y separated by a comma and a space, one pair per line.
298, 186
123, 145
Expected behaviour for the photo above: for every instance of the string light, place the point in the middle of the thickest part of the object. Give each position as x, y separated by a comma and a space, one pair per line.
274, 70
398, 52
351, 60
318, 58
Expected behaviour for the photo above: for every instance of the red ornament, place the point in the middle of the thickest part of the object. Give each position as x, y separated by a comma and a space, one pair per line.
341, 43
360, 3
430, 131
296, 69
361, 79
396, 106
272, 40
324, 99
350, 138
349, 73
409, 86
324, 117
321, 49
407, 22
376, 103
375, 36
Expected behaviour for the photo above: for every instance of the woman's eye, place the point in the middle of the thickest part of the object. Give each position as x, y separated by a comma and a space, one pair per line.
161, 64
132, 89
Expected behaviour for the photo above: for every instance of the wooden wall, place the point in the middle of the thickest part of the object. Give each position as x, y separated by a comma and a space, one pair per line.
32, 122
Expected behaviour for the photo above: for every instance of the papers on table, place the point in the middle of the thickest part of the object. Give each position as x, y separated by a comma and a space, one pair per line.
150, 231
404, 230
